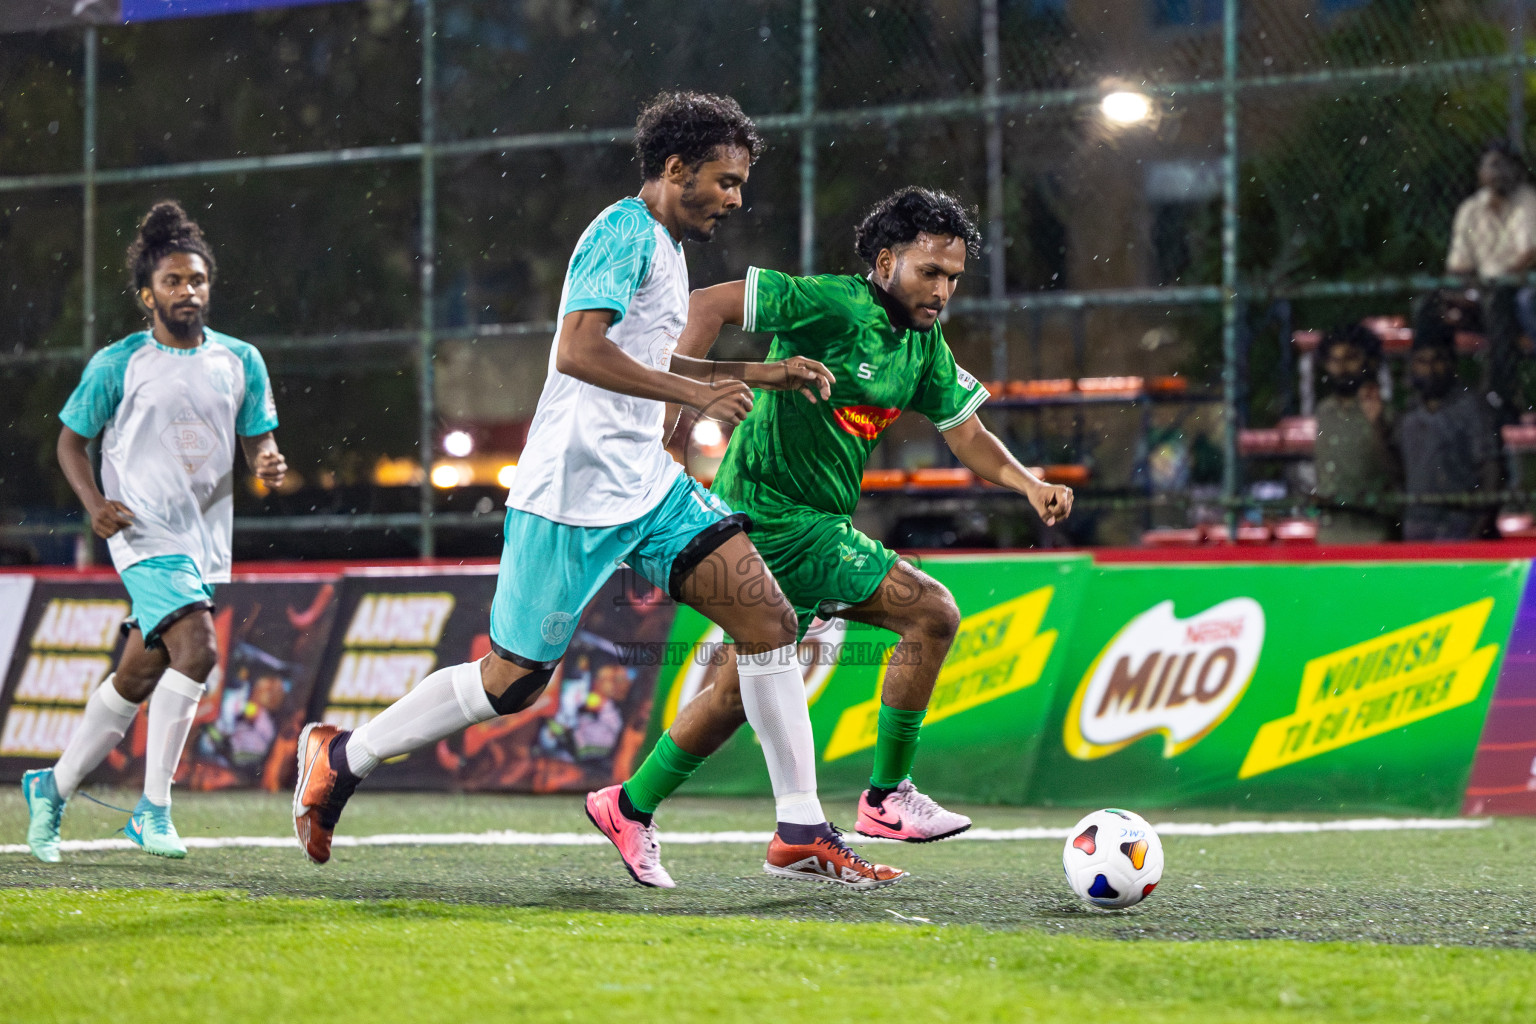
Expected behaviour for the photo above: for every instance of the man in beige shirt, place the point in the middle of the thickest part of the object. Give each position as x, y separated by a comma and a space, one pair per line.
1494, 235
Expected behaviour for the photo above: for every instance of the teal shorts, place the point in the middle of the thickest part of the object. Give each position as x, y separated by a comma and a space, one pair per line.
550, 571
164, 590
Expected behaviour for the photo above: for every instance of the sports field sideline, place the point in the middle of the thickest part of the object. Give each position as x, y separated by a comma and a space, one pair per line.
1424, 923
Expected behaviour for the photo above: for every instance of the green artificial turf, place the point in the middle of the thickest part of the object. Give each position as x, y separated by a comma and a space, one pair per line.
68, 955
1400, 926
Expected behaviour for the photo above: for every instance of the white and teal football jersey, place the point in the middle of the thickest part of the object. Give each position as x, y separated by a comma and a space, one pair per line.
169, 418
595, 457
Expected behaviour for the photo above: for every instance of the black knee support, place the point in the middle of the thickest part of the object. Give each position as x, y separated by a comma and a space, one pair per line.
521, 693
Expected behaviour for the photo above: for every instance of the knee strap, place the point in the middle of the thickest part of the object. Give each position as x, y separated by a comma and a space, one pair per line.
521, 694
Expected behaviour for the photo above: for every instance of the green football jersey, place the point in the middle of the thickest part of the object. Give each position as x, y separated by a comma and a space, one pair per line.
790, 452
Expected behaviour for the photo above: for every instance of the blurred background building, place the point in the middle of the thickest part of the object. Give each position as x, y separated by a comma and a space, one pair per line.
1178, 197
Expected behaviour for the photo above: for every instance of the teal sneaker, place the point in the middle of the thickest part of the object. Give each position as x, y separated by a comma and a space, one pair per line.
151, 828
46, 809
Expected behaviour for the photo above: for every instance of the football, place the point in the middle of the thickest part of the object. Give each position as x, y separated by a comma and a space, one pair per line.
1113, 859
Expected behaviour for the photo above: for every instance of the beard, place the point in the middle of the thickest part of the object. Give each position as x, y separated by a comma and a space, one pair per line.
1347, 387
1433, 387
179, 328
690, 201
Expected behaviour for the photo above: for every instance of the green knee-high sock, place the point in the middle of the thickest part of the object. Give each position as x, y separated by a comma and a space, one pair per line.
667, 767
895, 746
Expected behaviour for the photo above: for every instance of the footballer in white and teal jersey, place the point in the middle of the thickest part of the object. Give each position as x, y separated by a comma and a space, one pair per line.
595, 489
171, 404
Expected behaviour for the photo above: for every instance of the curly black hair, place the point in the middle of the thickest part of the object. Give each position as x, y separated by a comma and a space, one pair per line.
898, 218
165, 229
691, 125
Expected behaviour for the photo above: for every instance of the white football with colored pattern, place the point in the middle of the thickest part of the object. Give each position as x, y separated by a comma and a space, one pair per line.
1113, 859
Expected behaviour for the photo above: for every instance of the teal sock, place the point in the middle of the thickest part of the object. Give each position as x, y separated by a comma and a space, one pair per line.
667, 767
895, 746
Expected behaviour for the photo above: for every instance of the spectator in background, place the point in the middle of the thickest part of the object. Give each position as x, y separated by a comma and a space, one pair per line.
1494, 235
1356, 464
1447, 443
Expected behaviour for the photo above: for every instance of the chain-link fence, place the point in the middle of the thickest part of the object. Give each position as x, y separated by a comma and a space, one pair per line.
393, 190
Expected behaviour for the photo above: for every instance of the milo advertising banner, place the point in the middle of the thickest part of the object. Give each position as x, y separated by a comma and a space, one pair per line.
992, 698
1316, 686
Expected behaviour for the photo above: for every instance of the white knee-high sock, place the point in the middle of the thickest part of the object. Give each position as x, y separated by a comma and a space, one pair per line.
108, 714
440, 705
172, 707
773, 694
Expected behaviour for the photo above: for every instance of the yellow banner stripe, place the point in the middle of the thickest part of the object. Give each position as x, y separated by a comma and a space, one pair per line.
996, 652
1361, 715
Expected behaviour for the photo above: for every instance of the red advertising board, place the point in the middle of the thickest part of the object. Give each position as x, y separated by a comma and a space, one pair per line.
1504, 768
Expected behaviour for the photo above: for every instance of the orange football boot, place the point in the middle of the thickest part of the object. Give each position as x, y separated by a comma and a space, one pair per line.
827, 860
320, 793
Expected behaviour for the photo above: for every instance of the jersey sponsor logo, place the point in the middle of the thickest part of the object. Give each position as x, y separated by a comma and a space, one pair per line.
853, 556
1163, 674
865, 421
190, 439
221, 378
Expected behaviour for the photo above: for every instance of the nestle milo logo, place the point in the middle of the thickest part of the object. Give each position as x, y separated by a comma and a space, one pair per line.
1160, 673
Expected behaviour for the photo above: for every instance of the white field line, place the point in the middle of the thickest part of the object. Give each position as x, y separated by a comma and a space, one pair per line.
510, 838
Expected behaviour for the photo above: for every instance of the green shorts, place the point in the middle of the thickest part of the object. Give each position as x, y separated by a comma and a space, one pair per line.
822, 563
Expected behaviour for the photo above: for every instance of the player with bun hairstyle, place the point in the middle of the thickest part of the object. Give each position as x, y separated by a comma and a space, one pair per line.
170, 403
795, 467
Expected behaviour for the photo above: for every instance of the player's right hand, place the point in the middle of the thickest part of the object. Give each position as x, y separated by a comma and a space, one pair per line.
110, 517
797, 373
728, 401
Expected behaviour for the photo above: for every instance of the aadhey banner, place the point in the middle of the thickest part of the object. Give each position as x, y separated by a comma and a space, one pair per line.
394, 628
272, 633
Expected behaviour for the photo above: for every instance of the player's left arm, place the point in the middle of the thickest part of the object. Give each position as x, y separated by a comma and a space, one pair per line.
265, 460
709, 310
256, 419
983, 454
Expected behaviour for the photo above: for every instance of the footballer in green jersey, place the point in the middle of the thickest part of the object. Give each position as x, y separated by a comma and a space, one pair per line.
795, 465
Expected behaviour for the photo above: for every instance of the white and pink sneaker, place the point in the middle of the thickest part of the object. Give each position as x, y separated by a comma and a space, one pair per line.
909, 816
636, 843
